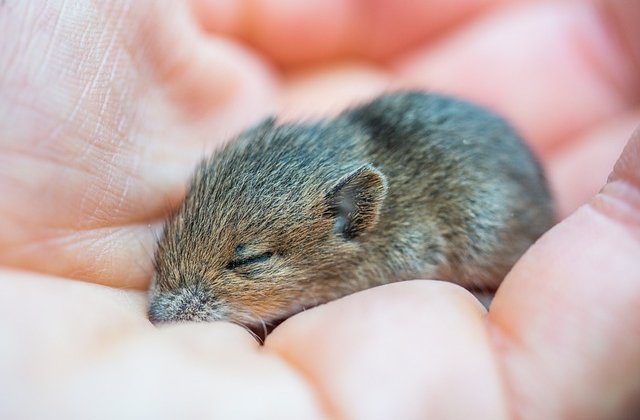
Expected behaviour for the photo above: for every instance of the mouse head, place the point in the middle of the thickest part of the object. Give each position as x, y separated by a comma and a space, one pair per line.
263, 233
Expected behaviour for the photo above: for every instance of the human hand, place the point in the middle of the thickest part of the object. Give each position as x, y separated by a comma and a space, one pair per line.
98, 142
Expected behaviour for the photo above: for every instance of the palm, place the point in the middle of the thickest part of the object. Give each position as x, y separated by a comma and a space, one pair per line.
99, 141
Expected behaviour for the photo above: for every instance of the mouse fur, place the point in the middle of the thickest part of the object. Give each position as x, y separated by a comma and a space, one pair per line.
288, 216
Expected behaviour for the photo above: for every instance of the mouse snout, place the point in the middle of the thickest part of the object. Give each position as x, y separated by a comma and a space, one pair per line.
182, 305
155, 314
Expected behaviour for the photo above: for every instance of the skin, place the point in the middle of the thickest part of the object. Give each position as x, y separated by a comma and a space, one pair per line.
104, 110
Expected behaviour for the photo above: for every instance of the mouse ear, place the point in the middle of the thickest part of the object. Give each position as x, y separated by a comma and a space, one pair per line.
355, 201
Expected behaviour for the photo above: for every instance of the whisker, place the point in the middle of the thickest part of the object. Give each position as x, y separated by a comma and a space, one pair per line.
254, 316
264, 327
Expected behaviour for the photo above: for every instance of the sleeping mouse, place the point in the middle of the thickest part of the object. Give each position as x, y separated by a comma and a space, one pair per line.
288, 216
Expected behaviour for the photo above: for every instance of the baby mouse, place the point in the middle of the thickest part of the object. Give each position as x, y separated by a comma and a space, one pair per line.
285, 217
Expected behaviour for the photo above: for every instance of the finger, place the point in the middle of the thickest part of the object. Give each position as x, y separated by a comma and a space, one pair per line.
567, 317
555, 69
77, 350
406, 350
292, 33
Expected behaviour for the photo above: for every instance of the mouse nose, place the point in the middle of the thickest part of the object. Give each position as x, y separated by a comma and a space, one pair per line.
155, 314
182, 305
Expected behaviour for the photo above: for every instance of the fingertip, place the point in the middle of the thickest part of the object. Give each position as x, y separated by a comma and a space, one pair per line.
404, 350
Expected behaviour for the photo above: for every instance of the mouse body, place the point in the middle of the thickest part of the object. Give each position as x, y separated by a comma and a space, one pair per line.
288, 216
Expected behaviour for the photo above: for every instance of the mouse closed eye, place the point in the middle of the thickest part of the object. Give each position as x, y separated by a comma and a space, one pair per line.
285, 217
249, 261
246, 258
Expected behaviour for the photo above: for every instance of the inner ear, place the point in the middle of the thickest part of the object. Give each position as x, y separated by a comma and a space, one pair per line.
355, 201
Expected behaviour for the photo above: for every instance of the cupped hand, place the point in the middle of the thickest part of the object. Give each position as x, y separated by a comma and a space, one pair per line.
106, 108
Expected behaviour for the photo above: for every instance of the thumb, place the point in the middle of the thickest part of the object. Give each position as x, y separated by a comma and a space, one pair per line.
567, 317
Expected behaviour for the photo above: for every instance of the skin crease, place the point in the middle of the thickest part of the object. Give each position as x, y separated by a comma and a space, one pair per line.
105, 108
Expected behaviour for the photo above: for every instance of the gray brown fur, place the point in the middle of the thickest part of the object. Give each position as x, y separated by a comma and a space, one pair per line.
410, 185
